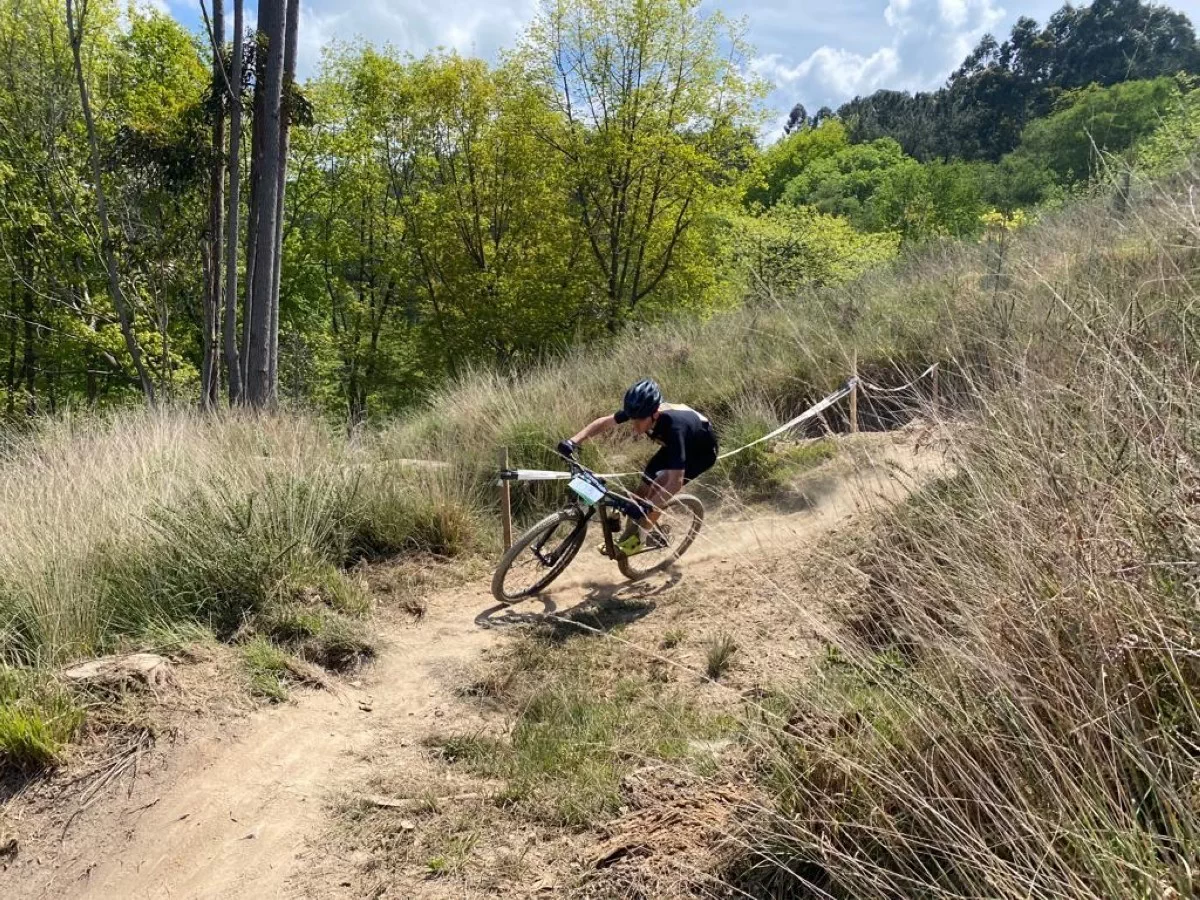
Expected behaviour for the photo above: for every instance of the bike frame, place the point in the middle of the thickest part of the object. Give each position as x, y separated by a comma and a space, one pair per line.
589, 512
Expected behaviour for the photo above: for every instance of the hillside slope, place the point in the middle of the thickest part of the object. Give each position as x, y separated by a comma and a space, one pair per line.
244, 813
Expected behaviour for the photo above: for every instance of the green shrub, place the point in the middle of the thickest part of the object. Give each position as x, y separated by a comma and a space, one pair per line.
38, 717
766, 470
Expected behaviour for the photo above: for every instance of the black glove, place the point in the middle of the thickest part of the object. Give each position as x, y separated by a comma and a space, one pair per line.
567, 448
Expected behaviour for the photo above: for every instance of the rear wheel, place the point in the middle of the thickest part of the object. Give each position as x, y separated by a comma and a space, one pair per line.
679, 524
539, 556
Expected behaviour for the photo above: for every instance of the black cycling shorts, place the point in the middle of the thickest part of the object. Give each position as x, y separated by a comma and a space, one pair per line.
698, 461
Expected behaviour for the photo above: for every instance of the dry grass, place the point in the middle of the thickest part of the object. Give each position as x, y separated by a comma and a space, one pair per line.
581, 723
147, 529
1011, 709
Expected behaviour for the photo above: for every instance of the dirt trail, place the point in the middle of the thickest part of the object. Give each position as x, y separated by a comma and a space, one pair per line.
234, 815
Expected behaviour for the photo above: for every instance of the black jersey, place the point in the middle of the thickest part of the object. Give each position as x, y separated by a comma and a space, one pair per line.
687, 438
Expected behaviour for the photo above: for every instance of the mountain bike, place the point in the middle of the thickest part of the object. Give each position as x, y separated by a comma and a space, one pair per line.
543, 552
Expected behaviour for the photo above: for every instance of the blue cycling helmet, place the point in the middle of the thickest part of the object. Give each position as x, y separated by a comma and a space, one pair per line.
642, 400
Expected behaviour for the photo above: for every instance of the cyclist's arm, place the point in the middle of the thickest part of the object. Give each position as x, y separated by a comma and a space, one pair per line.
601, 425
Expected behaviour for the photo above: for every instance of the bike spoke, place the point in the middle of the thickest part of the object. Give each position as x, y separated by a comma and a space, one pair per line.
537, 562
676, 525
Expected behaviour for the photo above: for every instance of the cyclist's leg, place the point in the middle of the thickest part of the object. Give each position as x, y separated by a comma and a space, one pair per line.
661, 485
652, 491
643, 497
661, 489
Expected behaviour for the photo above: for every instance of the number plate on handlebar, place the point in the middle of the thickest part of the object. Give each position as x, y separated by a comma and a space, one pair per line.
588, 491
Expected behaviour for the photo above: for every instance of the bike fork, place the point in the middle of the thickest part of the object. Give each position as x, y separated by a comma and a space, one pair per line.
610, 544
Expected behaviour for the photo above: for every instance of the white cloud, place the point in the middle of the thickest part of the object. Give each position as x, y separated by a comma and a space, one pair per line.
317, 31
897, 12
923, 41
842, 71
953, 12
474, 27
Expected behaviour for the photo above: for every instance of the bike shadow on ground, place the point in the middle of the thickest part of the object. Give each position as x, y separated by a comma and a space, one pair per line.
604, 607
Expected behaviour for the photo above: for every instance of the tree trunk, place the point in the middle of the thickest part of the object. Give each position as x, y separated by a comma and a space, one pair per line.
11, 379
260, 390
210, 371
233, 362
291, 32
75, 35
29, 354
258, 116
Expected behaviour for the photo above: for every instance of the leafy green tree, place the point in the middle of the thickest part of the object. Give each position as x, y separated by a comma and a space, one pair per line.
843, 182
918, 122
495, 244
435, 229
1173, 144
1110, 41
1094, 121
62, 332
935, 199
790, 248
789, 157
648, 100
1018, 181
983, 109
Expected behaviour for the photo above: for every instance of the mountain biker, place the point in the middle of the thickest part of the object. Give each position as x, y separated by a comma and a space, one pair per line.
688, 449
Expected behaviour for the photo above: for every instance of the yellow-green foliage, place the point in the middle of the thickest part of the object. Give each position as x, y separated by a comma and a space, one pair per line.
790, 248
1173, 144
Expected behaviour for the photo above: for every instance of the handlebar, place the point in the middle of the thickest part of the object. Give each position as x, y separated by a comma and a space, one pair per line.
575, 466
578, 468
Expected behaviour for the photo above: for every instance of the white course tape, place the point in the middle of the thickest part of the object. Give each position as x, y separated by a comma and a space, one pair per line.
876, 389
541, 475
812, 411
803, 417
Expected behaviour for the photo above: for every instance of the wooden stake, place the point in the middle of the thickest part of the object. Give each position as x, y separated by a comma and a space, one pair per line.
854, 397
505, 502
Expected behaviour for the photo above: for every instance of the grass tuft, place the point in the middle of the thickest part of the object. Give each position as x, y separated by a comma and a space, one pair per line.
719, 656
268, 668
672, 638
38, 717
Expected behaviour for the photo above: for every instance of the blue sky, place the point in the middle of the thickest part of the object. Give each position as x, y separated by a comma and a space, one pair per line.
817, 53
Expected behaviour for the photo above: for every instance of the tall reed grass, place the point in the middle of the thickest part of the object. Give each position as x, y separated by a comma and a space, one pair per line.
1011, 710
116, 526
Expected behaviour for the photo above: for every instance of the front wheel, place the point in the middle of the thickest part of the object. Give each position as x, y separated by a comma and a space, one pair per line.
678, 526
539, 556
